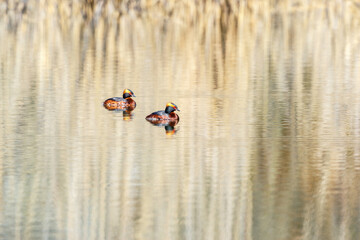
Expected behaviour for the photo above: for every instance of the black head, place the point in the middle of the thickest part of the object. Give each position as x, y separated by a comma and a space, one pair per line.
170, 107
128, 93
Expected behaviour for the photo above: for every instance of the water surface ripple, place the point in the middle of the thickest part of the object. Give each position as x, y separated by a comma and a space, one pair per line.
267, 147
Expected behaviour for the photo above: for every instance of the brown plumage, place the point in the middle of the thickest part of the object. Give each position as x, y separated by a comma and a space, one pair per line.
124, 103
167, 115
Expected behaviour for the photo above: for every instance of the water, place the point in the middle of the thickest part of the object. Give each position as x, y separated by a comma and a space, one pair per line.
267, 146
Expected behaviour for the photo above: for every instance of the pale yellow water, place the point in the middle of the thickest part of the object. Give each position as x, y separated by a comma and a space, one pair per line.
267, 147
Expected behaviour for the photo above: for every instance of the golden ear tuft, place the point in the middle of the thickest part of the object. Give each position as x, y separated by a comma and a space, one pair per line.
170, 105
127, 91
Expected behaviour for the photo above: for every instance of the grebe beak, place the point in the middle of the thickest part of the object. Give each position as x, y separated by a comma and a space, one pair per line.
133, 95
178, 109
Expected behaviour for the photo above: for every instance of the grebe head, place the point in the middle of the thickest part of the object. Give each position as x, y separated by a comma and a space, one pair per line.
170, 107
128, 93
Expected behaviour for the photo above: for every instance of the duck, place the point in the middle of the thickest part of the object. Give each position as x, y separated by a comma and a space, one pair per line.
166, 116
124, 103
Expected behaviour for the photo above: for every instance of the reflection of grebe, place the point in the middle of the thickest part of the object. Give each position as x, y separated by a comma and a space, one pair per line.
127, 115
168, 114
124, 103
168, 124
170, 130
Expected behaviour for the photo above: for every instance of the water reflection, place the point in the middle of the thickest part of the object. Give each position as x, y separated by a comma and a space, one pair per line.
127, 115
126, 111
170, 130
168, 124
269, 146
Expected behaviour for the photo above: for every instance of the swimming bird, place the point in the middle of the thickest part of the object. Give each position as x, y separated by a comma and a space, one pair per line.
124, 103
168, 115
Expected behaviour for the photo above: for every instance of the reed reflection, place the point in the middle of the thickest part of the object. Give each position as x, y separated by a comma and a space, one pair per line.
273, 153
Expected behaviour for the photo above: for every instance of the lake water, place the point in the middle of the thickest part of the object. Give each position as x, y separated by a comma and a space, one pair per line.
267, 147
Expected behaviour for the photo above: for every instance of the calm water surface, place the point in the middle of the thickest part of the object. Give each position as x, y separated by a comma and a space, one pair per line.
267, 147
